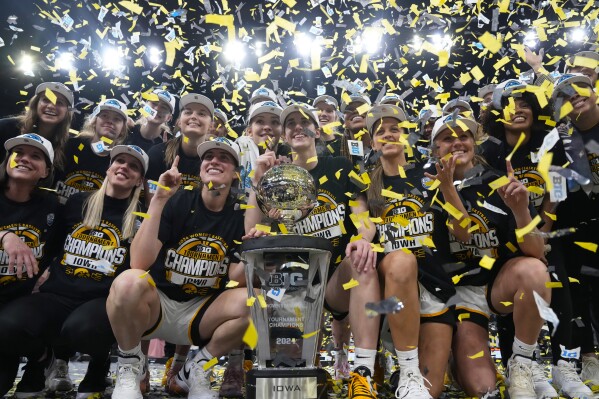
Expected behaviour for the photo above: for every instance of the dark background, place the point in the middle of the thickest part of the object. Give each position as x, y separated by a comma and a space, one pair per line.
23, 24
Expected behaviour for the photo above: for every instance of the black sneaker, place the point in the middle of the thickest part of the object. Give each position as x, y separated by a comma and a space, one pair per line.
94, 383
33, 381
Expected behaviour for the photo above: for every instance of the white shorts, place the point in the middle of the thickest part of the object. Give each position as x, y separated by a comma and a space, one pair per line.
430, 305
473, 299
179, 321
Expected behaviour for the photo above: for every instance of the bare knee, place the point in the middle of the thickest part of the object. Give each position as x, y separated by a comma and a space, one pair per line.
128, 288
399, 268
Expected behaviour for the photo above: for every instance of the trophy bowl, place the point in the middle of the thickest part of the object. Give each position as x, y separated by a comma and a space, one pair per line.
286, 193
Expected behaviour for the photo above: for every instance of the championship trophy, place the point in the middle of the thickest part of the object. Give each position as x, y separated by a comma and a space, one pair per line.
289, 272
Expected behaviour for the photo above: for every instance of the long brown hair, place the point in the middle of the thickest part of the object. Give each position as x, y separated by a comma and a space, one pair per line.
28, 123
374, 194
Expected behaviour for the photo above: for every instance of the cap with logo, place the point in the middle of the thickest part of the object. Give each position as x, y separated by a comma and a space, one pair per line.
195, 98
134, 151
264, 107
111, 104
263, 94
329, 100
58, 88
219, 114
428, 112
167, 98
451, 122
508, 88
589, 59
488, 89
302, 108
33, 140
563, 84
393, 99
221, 143
355, 98
384, 111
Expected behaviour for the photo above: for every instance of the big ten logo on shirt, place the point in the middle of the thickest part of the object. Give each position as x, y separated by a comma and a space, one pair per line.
530, 177
405, 225
186, 180
199, 264
78, 181
325, 219
94, 253
31, 236
483, 240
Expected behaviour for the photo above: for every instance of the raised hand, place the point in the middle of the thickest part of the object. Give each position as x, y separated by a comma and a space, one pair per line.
535, 61
445, 170
263, 163
514, 194
169, 181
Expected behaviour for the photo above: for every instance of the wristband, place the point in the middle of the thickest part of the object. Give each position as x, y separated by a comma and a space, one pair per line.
2, 237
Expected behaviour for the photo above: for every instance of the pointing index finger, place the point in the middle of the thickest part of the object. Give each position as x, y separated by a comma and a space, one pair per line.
176, 163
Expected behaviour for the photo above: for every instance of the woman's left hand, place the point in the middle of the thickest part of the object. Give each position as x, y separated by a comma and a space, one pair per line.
19, 255
514, 194
444, 173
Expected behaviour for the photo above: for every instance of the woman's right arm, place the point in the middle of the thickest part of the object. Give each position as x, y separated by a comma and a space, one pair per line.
146, 245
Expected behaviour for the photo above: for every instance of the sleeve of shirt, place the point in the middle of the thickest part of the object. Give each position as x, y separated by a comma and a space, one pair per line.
166, 220
58, 232
156, 162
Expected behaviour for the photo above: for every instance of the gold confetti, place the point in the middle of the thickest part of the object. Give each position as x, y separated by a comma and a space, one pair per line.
250, 301
486, 262
506, 303
159, 185
350, 284
209, 364
142, 214
50, 96
528, 228
477, 355
520, 141
554, 284
232, 284
309, 335
589, 246
261, 301
13, 163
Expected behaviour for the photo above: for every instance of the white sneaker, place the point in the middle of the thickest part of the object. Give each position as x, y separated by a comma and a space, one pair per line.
411, 384
195, 380
590, 371
568, 382
520, 382
128, 378
543, 388
58, 378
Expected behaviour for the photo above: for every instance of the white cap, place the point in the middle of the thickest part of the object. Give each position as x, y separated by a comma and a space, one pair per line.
192, 98
571, 62
393, 99
325, 99
356, 98
166, 97
505, 89
111, 104
448, 121
456, 103
263, 94
58, 88
483, 91
302, 108
567, 79
134, 151
221, 143
33, 140
264, 107
219, 114
384, 111
429, 111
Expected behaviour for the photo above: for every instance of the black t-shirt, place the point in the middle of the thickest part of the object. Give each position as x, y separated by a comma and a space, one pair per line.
333, 206
84, 170
198, 247
496, 227
189, 167
9, 128
32, 222
90, 259
330, 148
579, 206
408, 223
135, 138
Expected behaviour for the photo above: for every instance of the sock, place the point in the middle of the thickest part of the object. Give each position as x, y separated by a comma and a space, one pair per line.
236, 358
523, 350
203, 356
130, 356
366, 358
407, 358
179, 359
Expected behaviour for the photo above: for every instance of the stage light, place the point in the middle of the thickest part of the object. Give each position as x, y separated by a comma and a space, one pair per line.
259, 49
64, 61
578, 35
371, 40
234, 51
154, 55
416, 43
531, 39
441, 42
303, 43
112, 59
26, 65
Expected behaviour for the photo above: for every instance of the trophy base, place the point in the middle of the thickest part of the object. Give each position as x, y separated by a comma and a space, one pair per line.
288, 383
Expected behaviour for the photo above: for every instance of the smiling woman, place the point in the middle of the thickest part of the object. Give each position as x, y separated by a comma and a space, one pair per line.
87, 154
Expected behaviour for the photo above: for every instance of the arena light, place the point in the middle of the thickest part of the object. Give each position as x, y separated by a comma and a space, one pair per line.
26, 65
112, 59
371, 40
416, 43
578, 35
531, 39
154, 55
259, 49
64, 61
303, 43
441, 42
234, 52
